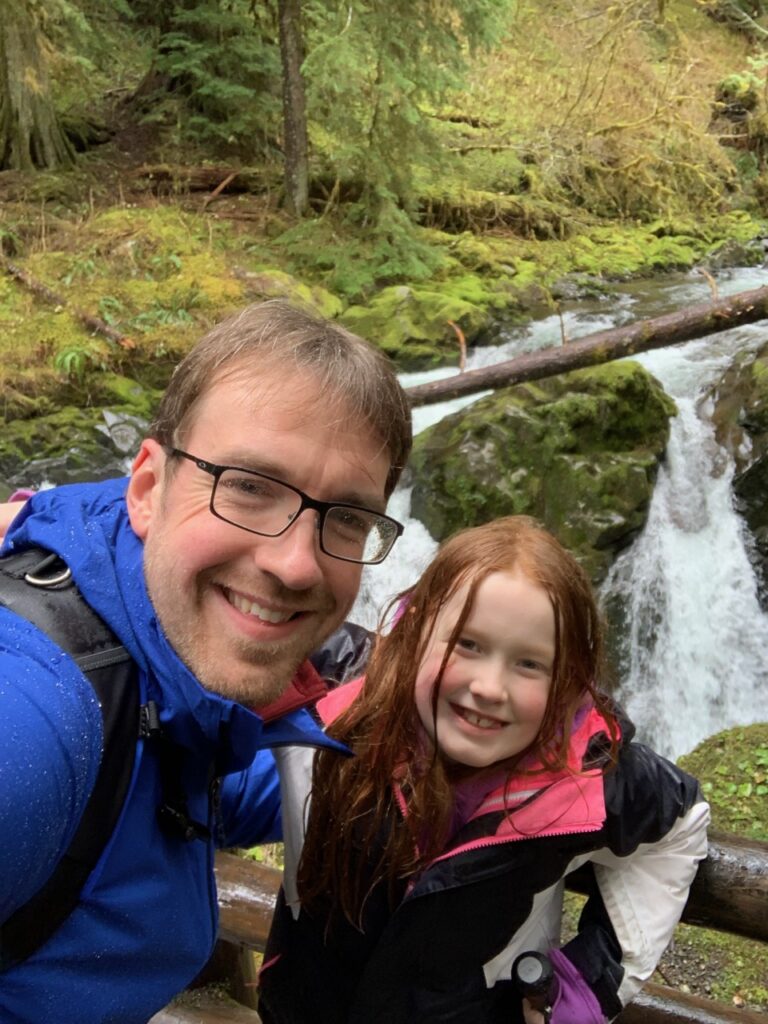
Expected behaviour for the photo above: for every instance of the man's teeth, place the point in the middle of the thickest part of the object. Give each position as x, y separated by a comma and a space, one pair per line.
251, 608
479, 721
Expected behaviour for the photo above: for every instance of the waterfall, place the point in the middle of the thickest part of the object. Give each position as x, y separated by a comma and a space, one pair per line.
695, 642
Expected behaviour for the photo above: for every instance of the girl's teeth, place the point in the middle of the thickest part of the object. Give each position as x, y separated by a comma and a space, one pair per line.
480, 722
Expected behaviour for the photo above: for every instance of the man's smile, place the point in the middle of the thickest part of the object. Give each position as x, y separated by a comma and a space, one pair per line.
250, 607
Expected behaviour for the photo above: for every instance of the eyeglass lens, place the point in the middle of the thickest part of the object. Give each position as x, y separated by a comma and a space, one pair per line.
266, 506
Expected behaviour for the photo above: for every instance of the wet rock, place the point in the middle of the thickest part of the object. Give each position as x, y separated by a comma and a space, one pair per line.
69, 446
579, 451
740, 415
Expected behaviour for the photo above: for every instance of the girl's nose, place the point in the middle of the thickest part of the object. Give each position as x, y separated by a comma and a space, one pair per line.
488, 684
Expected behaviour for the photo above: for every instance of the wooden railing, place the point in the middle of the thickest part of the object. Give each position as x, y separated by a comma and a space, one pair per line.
730, 893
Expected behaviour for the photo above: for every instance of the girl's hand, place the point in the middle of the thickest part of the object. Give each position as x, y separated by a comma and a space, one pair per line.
532, 1016
8, 510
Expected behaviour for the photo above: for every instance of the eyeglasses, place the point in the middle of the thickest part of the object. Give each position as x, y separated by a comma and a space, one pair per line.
260, 504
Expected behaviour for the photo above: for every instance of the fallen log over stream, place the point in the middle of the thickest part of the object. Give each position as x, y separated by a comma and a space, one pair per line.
617, 343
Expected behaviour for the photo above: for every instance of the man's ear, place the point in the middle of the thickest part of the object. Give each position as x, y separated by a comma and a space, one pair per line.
145, 487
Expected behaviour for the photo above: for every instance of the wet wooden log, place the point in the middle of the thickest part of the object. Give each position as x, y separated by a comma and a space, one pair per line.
247, 892
617, 343
656, 1004
729, 893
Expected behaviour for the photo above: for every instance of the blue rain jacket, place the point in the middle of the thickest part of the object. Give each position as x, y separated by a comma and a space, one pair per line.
147, 917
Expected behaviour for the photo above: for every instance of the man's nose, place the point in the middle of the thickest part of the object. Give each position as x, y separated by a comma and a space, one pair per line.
294, 556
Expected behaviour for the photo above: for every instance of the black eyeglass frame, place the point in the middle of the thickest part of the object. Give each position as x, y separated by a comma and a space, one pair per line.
321, 507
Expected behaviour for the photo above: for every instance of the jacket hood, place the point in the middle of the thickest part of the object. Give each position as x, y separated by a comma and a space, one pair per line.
87, 525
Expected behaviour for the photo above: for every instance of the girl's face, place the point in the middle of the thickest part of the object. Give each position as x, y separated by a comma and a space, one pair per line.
494, 690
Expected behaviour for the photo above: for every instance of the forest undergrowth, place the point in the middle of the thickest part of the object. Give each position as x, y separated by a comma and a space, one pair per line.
583, 142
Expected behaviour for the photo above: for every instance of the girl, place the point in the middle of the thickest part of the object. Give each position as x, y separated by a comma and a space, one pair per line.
487, 767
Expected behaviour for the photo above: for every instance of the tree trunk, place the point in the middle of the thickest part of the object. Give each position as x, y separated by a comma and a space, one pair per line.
295, 143
30, 133
617, 343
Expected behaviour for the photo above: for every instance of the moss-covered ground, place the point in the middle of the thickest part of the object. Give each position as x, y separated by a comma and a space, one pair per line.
585, 149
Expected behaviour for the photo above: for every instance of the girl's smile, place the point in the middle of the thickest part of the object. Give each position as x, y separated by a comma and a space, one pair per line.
494, 690
480, 721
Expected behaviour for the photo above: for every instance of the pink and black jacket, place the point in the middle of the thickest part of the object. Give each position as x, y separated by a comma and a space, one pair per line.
444, 954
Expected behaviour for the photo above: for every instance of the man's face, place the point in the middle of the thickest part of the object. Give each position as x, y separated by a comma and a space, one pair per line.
243, 610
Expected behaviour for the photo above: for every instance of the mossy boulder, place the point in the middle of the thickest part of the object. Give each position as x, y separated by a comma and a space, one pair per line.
740, 414
579, 451
76, 445
268, 283
414, 325
122, 395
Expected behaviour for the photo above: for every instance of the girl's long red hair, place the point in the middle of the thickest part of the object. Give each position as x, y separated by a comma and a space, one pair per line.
356, 835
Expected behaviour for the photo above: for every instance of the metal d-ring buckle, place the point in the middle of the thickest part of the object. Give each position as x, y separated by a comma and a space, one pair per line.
36, 580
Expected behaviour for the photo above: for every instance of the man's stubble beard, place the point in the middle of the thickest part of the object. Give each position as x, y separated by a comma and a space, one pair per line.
256, 676
268, 679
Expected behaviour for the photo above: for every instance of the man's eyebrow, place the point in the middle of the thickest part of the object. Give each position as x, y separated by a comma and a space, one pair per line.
246, 460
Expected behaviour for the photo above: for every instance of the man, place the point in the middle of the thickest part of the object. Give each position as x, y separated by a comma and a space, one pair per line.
235, 548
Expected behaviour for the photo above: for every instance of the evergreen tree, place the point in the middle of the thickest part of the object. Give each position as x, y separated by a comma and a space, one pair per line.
375, 70
216, 72
31, 135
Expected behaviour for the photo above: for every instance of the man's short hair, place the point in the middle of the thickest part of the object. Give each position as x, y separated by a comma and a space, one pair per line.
350, 373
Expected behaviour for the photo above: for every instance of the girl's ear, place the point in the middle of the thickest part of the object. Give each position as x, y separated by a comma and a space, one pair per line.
145, 488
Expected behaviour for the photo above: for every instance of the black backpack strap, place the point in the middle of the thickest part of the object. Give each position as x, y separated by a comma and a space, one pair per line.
38, 586
344, 654
173, 813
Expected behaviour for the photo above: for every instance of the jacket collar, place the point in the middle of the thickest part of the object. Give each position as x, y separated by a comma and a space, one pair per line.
304, 690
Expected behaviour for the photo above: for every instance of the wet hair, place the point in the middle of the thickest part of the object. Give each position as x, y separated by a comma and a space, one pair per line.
348, 372
353, 807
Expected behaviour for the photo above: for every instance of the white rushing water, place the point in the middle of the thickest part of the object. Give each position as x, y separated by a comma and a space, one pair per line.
694, 652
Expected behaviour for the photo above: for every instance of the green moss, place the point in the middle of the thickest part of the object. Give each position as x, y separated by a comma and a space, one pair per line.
755, 408
263, 282
125, 394
732, 767
734, 968
733, 770
413, 325
68, 438
161, 275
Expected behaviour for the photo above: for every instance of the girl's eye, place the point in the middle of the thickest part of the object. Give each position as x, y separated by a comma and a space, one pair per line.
529, 665
465, 644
